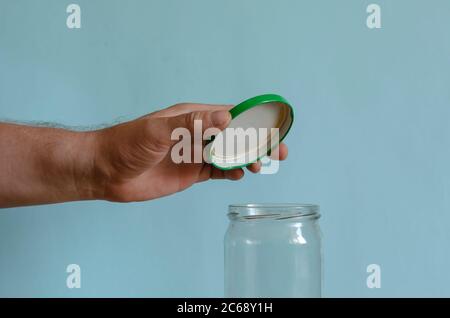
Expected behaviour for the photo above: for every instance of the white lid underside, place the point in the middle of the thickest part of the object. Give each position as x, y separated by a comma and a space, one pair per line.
250, 135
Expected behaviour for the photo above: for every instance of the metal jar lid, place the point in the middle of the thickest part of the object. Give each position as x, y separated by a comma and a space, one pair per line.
258, 125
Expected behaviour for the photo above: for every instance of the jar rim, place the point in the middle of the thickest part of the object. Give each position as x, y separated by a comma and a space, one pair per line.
250, 211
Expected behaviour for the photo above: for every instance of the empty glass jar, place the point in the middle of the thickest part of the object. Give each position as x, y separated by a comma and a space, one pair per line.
273, 250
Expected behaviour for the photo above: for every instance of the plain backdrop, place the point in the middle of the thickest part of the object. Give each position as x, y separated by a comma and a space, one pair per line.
370, 143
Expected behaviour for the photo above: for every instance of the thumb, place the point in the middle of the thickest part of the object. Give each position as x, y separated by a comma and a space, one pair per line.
192, 121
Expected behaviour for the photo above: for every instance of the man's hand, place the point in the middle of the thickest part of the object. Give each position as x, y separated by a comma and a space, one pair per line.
127, 162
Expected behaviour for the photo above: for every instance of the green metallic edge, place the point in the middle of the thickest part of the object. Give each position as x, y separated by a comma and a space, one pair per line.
250, 103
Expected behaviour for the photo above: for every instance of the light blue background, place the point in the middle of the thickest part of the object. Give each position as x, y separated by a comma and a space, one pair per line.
371, 143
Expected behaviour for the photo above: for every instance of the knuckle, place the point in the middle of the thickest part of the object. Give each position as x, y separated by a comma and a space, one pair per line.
149, 126
180, 106
192, 117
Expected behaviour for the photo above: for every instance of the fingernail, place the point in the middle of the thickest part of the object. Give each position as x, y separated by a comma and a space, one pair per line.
220, 118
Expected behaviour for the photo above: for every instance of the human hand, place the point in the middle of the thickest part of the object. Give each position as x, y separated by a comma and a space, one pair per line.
134, 158
127, 162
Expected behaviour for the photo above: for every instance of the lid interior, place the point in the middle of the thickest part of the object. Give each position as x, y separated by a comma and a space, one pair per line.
250, 135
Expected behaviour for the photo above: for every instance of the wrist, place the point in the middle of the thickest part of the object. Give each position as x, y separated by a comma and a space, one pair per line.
85, 170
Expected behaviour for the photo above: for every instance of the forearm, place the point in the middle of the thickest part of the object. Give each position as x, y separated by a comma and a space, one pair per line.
46, 165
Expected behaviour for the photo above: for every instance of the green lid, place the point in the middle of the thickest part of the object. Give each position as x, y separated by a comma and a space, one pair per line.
258, 125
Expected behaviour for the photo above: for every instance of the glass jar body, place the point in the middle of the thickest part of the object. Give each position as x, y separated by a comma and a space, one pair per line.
273, 252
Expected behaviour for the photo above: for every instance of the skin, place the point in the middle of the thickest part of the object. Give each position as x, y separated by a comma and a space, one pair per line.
123, 163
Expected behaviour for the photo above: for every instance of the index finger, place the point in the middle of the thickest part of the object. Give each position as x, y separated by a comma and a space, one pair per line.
180, 109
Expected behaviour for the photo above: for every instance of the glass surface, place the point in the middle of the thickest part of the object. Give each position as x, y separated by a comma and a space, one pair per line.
273, 250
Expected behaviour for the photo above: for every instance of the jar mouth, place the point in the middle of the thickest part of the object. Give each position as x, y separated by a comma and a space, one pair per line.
251, 211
